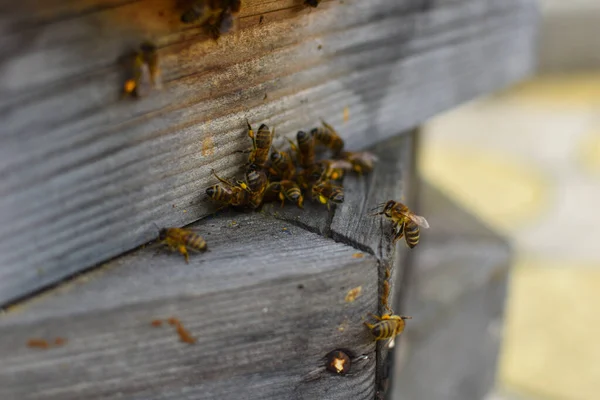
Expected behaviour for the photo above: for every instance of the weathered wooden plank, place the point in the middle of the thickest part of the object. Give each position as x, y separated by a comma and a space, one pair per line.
84, 176
456, 294
265, 304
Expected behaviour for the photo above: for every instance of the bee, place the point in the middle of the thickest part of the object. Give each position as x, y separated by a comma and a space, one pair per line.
306, 149
328, 137
145, 71
388, 326
256, 184
217, 15
405, 222
181, 240
361, 161
230, 194
312, 3
326, 193
334, 169
261, 144
287, 190
282, 165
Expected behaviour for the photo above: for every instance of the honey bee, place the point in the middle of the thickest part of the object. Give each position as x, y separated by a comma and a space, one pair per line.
312, 3
181, 240
216, 15
282, 165
328, 137
306, 149
256, 184
145, 71
326, 193
333, 169
405, 222
361, 161
261, 144
287, 190
388, 326
230, 194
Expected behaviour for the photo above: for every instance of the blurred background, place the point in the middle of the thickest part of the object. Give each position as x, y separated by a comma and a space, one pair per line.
527, 162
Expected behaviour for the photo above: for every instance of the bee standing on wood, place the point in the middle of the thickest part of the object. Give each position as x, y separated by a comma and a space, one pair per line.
404, 222
306, 149
328, 137
256, 184
229, 195
215, 15
361, 161
181, 240
287, 189
282, 165
144, 71
261, 144
388, 326
326, 193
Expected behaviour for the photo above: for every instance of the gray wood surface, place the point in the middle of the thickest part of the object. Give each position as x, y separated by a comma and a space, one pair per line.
456, 294
84, 175
266, 303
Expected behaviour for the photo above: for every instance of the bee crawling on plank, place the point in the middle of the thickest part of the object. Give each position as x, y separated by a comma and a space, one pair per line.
387, 326
182, 240
217, 16
143, 71
405, 223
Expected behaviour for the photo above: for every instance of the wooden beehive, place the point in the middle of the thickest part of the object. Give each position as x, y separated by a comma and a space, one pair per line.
86, 175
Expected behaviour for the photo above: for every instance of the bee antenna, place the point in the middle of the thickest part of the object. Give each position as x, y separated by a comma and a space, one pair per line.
405, 317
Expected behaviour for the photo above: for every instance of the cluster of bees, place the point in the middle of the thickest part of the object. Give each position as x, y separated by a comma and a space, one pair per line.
292, 174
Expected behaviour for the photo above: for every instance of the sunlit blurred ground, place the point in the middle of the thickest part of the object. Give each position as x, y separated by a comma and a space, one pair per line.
527, 161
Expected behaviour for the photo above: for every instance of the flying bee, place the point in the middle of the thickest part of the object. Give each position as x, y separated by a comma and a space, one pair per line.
181, 240
287, 190
326, 193
405, 222
144, 71
328, 137
233, 195
282, 165
306, 149
362, 161
261, 144
388, 326
312, 3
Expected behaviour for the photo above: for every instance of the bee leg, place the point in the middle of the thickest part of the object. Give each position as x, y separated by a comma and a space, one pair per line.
183, 250
368, 325
377, 317
221, 179
282, 198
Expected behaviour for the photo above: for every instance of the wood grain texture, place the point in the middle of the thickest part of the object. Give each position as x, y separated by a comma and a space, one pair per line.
456, 294
265, 304
84, 175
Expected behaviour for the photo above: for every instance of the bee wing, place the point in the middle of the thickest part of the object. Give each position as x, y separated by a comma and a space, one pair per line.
417, 219
367, 157
341, 164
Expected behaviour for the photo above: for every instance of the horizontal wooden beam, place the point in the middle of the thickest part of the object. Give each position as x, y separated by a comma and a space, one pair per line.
85, 175
265, 304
